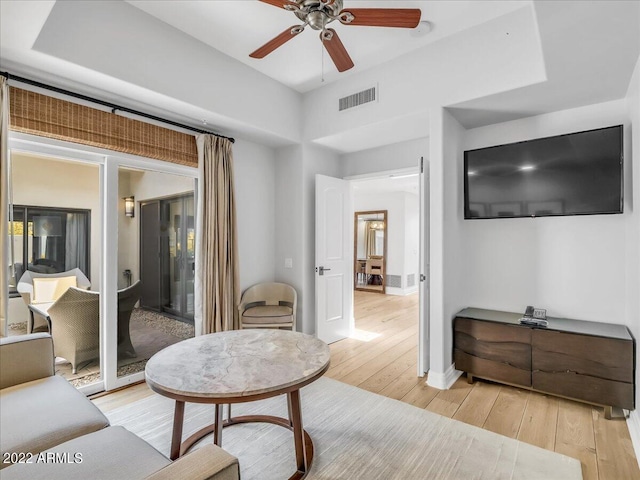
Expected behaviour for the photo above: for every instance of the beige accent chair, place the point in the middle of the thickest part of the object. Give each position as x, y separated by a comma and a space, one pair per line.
268, 305
43, 413
75, 326
25, 289
374, 271
127, 299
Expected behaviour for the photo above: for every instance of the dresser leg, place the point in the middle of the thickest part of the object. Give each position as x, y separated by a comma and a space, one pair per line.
469, 378
607, 412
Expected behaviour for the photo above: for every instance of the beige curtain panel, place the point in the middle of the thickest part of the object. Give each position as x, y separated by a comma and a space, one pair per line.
218, 260
50, 117
369, 239
4, 203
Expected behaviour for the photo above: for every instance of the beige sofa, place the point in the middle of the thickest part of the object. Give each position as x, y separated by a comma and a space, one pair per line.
45, 419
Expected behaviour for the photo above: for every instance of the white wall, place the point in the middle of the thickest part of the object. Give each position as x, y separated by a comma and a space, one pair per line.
289, 221
573, 266
429, 76
143, 185
632, 193
445, 242
411, 241
390, 157
255, 189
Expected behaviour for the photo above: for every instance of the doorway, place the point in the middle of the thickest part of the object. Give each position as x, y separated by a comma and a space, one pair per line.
167, 255
387, 322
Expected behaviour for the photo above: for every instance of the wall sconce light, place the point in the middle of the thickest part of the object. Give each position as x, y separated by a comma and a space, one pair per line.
129, 206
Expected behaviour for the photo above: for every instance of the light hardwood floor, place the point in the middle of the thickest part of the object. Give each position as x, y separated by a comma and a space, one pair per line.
387, 365
382, 359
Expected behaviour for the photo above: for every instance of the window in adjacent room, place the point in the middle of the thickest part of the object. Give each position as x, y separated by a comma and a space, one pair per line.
48, 240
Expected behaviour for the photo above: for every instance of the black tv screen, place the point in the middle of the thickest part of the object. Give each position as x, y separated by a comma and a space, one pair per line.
573, 174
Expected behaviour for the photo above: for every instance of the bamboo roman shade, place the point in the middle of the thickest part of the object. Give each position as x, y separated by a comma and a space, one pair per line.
50, 117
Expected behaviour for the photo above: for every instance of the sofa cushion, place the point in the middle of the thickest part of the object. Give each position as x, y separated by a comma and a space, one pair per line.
40, 414
25, 358
111, 453
268, 314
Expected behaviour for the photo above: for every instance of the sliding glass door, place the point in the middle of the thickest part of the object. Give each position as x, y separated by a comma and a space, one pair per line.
177, 232
81, 209
167, 255
156, 253
54, 243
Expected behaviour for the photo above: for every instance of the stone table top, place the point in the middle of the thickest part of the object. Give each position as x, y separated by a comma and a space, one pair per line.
238, 363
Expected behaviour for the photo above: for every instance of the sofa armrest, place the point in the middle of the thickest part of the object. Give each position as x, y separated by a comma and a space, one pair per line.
207, 463
24, 358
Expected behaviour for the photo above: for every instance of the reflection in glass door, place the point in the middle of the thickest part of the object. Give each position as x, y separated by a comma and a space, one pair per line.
155, 264
178, 255
54, 261
167, 255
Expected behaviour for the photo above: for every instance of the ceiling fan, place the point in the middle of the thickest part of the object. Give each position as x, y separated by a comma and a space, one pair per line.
317, 14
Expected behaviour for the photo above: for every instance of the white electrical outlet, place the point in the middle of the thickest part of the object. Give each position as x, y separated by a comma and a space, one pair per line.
288, 263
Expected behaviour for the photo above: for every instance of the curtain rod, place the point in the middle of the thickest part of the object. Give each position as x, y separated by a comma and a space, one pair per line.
112, 106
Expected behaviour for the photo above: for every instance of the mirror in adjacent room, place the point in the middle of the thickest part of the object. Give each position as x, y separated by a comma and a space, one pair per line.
370, 251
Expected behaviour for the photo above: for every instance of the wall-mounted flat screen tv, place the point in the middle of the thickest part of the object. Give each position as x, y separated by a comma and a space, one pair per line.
573, 174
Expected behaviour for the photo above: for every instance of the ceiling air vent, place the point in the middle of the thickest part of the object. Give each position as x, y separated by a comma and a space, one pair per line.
357, 99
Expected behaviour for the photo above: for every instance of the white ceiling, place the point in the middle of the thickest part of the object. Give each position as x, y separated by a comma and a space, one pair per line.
238, 27
588, 52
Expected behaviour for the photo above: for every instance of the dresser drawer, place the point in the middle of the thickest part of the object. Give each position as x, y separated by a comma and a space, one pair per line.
598, 357
593, 369
493, 350
491, 369
586, 388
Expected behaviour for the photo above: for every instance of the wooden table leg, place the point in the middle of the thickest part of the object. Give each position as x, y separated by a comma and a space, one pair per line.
290, 410
176, 439
608, 412
295, 416
217, 432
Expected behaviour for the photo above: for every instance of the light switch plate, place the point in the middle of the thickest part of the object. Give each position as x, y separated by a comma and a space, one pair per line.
288, 263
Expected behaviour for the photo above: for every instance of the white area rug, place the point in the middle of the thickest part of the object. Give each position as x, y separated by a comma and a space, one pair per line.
356, 435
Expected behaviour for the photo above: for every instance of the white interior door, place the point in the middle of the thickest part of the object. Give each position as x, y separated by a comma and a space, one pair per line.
423, 328
334, 259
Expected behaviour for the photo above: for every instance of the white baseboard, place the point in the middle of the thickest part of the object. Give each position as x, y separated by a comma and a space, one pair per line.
633, 422
443, 381
400, 291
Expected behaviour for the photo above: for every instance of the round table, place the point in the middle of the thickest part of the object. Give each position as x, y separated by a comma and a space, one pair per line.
239, 366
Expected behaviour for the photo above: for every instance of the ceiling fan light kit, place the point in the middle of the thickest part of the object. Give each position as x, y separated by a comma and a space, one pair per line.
317, 14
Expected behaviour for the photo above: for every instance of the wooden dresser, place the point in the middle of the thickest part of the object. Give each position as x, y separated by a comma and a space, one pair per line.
588, 361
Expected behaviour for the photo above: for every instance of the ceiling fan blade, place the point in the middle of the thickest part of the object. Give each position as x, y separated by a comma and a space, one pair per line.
381, 17
336, 50
276, 42
278, 3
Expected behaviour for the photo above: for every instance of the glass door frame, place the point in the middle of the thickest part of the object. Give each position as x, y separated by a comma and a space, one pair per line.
109, 163
181, 311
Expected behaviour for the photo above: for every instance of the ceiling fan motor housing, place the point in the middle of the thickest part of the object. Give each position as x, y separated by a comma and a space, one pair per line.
318, 14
